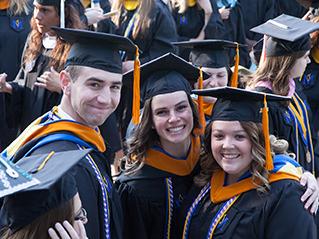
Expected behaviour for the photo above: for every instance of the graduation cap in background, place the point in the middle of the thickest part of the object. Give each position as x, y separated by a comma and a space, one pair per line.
234, 104
288, 35
57, 185
165, 74
95, 49
213, 53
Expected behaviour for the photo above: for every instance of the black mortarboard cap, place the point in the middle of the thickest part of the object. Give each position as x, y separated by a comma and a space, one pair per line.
238, 104
209, 53
57, 185
95, 49
165, 74
234, 104
288, 35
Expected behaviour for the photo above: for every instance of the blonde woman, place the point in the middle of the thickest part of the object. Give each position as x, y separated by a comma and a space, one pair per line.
149, 24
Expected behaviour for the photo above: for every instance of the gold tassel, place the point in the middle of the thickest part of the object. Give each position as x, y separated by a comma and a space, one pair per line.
234, 78
265, 122
136, 90
201, 112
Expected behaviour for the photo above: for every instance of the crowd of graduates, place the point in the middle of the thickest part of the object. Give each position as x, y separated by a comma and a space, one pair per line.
159, 119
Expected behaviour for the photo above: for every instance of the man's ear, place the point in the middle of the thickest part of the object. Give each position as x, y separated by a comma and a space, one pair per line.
65, 82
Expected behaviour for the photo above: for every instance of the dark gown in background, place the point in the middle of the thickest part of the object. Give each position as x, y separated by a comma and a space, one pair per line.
190, 23
235, 30
13, 31
256, 12
254, 215
282, 125
290, 7
310, 87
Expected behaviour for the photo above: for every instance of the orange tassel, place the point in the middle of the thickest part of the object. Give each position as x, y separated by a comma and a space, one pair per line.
265, 122
136, 90
201, 112
234, 78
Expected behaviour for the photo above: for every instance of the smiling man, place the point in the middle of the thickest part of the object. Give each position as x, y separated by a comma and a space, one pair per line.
91, 85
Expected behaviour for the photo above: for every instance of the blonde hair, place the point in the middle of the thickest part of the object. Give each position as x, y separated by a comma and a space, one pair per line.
18, 7
143, 16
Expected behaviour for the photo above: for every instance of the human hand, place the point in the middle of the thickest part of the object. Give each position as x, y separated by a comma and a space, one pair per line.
94, 15
67, 231
311, 196
49, 80
5, 87
224, 13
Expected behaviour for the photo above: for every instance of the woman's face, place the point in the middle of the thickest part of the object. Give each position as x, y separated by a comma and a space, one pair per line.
217, 77
231, 147
172, 118
300, 66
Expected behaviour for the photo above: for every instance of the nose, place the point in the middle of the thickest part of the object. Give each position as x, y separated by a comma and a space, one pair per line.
228, 143
173, 117
104, 96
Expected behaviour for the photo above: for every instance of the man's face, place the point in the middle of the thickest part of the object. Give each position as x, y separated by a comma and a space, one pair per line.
45, 17
94, 95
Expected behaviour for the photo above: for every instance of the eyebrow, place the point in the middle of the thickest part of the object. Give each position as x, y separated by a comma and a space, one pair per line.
236, 131
102, 81
179, 103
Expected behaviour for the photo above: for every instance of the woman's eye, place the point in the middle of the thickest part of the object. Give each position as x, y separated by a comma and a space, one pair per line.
218, 136
240, 137
181, 107
160, 113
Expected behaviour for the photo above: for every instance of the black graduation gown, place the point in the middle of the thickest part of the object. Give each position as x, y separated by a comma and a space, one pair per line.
310, 87
190, 23
235, 31
158, 37
290, 7
89, 189
144, 202
27, 102
277, 214
256, 12
13, 31
282, 126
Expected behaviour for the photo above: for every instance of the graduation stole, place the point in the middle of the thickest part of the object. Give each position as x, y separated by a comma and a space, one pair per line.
178, 167
298, 112
284, 168
4, 4
131, 5
41, 127
207, 107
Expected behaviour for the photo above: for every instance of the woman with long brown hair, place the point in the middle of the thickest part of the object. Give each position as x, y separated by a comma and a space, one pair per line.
36, 87
162, 152
243, 190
